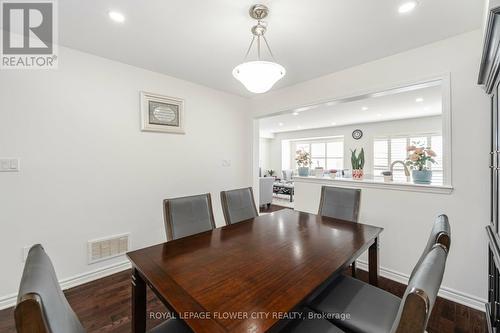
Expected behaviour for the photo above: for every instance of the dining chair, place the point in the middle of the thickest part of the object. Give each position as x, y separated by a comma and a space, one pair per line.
43, 308
187, 216
238, 205
440, 234
373, 310
340, 203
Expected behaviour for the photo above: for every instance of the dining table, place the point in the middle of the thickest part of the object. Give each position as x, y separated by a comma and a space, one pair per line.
249, 276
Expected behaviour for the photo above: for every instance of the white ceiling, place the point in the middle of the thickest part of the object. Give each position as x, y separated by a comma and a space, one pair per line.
374, 109
201, 41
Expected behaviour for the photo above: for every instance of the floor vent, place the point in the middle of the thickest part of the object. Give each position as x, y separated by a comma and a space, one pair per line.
106, 248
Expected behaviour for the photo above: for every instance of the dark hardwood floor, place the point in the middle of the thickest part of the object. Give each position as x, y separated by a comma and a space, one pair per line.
272, 208
104, 306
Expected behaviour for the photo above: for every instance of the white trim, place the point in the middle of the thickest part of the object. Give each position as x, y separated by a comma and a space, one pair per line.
8, 301
79, 279
367, 183
445, 292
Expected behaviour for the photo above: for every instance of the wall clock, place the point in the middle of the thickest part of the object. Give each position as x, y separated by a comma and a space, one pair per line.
357, 134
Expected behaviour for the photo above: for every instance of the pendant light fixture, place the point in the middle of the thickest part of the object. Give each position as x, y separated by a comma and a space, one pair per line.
259, 76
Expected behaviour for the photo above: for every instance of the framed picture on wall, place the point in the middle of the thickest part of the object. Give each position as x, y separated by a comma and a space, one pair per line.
162, 113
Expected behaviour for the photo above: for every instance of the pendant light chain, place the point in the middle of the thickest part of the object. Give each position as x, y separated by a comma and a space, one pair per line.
259, 47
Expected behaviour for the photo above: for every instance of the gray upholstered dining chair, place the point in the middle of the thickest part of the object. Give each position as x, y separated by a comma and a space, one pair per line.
440, 234
43, 308
187, 216
238, 205
373, 310
340, 203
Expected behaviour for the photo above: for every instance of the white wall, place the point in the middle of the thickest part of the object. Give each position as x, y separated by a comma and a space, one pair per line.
87, 171
407, 216
370, 130
265, 155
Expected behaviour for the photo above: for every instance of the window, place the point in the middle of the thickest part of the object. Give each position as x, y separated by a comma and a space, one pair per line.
386, 150
326, 153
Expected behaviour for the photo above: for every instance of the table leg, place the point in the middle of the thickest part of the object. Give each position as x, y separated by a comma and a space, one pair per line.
373, 263
138, 303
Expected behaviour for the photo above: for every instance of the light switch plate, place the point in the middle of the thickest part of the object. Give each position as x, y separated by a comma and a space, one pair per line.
9, 164
226, 163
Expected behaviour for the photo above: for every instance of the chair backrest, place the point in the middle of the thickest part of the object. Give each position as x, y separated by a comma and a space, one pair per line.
286, 175
266, 190
187, 216
420, 295
41, 305
340, 203
238, 205
440, 234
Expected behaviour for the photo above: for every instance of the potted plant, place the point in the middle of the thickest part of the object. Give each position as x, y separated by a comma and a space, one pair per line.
270, 172
303, 160
419, 160
387, 176
358, 163
332, 173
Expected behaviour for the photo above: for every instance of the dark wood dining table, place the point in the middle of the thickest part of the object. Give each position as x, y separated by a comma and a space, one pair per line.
246, 277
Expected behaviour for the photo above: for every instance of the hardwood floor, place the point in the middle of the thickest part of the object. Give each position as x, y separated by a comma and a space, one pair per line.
104, 306
272, 208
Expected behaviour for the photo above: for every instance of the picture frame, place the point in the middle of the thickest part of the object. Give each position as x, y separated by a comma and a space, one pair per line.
161, 113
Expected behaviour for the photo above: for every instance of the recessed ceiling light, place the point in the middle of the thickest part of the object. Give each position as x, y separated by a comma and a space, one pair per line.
116, 16
364, 108
299, 127
407, 6
281, 124
295, 113
426, 108
419, 100
379, 115
334, 123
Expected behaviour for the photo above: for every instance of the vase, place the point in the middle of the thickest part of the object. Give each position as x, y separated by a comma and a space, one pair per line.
303, 171
357, 174
422, 176
319, 172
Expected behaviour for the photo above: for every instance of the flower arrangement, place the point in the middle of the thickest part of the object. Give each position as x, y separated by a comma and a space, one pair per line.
419, 157
358, 163
303, 158
419, 160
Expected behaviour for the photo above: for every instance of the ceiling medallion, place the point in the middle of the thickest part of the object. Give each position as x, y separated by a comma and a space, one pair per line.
259, 76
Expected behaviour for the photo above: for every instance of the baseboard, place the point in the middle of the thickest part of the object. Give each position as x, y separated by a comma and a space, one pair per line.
79, 279
445, 292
